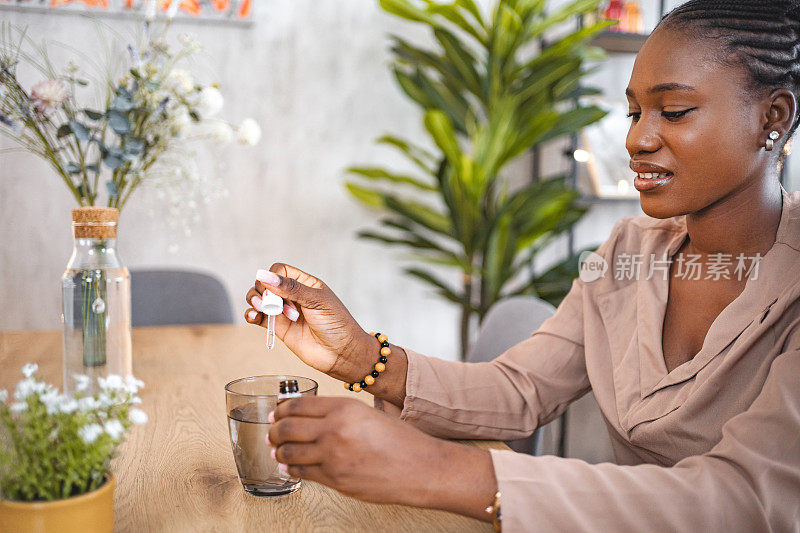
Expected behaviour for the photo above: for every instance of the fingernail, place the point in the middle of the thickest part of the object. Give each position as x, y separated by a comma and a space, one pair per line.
272, 454
252, 314
283, 467
270, 278
256, 302
291, 313
271, 417
266, 439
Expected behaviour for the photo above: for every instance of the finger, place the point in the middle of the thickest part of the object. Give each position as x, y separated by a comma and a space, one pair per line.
309, 406
254, 300
308, 472
298, 454
292, 288
295, 429
253, 317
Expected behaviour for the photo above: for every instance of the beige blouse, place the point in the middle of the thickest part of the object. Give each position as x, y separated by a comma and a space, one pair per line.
713, 445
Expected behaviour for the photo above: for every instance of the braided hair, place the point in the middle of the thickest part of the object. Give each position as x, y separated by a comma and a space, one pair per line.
762, 34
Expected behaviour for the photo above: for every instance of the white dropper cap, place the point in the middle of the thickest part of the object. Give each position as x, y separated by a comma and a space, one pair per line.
271, 304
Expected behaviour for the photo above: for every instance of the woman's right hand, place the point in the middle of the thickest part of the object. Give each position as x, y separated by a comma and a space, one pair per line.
323, 333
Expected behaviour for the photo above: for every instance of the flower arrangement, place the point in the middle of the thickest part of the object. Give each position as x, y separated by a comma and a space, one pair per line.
60, 445
145, 130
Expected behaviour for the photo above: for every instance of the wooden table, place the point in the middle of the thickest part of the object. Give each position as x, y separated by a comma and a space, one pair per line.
177, 472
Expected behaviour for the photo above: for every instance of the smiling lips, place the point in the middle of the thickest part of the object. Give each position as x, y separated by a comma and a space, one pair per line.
649, 176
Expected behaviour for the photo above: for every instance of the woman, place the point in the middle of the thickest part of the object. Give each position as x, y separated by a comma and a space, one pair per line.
697, 376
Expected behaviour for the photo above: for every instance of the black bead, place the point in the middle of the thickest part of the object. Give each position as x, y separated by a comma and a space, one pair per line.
383, 359
363, 384
375, 373
351, 387
377, 335
385, 344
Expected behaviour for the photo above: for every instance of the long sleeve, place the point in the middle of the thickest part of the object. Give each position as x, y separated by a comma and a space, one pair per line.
749, 481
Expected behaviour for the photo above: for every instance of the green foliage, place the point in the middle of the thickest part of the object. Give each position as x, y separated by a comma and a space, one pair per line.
54, 446
487, 97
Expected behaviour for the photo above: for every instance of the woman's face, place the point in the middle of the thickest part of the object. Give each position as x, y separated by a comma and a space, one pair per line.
691, 125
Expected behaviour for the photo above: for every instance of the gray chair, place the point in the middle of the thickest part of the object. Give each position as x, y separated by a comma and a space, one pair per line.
507, 323
176, 297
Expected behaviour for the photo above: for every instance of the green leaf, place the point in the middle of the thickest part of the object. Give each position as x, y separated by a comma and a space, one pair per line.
63, 131
72, 168
579, 7
460, 58
80, 131
420, 214
93, 115
119, 122
365, 196
93, 168
405, 10
133, 146
419, 156
122, 104
441, 129
375, 173
112, 161
113, 190
453, 15
443, 288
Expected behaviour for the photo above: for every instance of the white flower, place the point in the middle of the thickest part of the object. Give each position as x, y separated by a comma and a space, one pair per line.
173, 8
210, 102
132, 384
51, 401
67, 404
181, 121
249, 132
150, 10
114, 428
29, 369
90, 433
112, 382
82, 382
180, 81
88, 403
48, 95
137, 416
3, 395
136, 400
18, 407
27, 387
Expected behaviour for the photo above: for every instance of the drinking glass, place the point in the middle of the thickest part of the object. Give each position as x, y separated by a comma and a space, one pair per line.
249, 401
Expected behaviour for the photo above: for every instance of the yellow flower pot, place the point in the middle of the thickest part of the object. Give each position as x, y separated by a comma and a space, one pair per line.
92, 512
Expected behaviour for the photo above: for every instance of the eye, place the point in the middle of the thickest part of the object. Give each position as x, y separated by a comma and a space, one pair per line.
634, 115
675, 115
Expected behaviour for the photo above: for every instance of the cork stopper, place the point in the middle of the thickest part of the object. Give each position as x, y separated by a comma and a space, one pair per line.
95, 222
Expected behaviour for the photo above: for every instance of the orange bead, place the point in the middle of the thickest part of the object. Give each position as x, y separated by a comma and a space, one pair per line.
385, 350
371, 333
356, 387
369, 380
347, 386
380, 367
382, 338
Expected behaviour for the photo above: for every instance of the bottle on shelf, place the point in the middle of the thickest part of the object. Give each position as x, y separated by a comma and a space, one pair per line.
615, 11
632, 17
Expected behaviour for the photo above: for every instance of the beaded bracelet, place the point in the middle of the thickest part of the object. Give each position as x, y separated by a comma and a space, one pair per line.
380, 366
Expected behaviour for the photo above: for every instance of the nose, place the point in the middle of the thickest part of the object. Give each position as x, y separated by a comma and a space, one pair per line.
643, 137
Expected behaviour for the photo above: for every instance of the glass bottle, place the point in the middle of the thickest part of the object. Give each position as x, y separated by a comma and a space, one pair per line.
96, 301
633, 17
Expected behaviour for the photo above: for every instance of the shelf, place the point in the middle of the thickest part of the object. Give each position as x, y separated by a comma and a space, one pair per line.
619, 42
592, 199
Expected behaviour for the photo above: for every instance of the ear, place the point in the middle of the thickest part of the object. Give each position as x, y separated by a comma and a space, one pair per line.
780, 115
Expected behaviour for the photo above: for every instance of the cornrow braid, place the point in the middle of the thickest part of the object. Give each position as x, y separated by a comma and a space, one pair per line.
764, 34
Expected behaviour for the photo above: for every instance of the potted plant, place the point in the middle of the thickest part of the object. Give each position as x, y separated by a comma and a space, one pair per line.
56, 449
490, 89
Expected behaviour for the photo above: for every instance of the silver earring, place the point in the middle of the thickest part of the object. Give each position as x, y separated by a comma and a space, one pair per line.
770, 144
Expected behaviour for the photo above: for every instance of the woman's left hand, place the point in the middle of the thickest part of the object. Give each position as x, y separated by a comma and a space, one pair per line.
362, 452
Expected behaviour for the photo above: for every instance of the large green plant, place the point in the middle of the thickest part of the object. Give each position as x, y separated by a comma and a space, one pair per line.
489, 93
